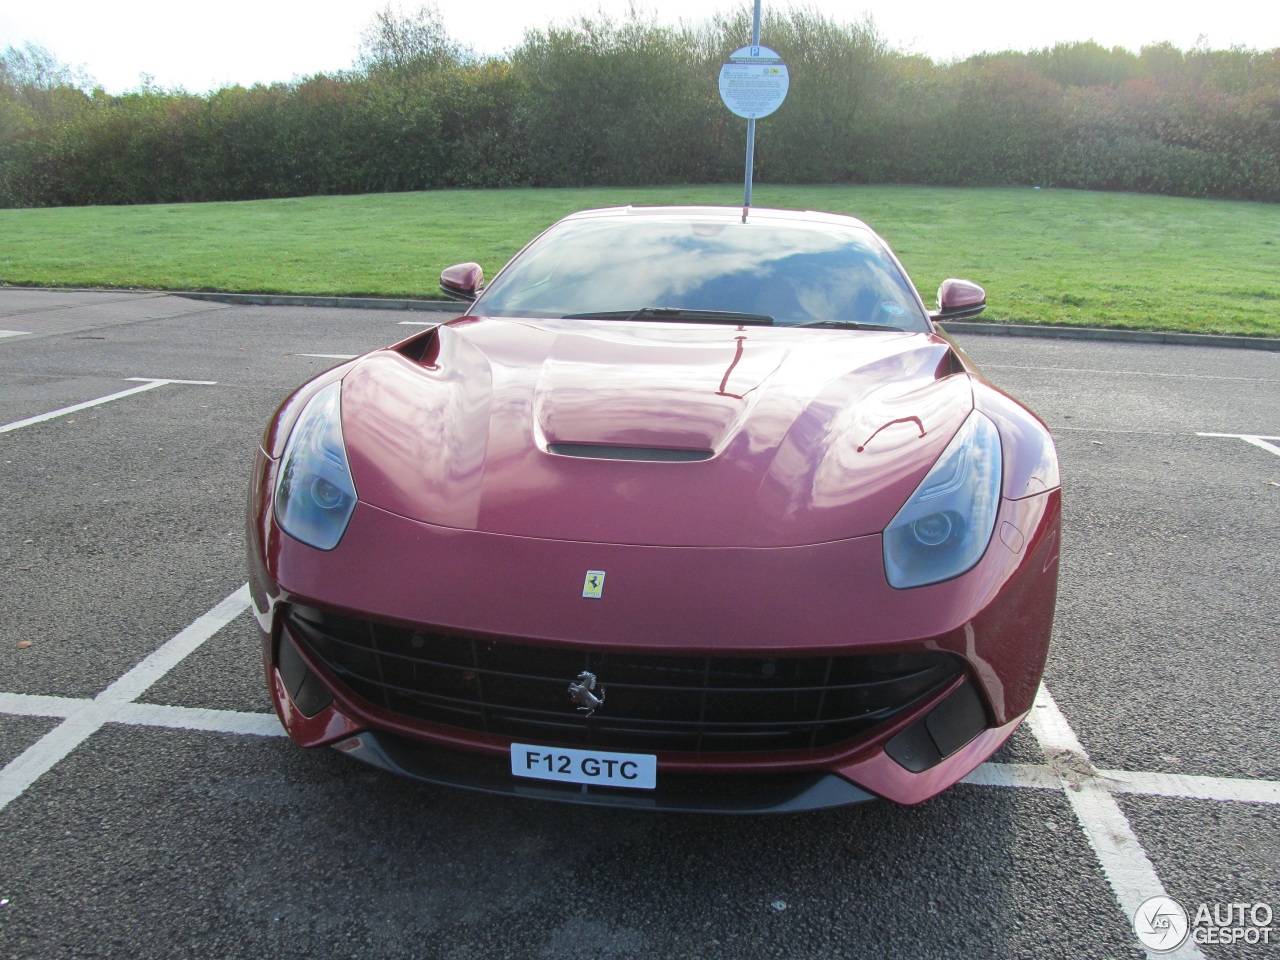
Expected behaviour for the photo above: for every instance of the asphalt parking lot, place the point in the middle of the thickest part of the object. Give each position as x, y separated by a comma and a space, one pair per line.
150, 807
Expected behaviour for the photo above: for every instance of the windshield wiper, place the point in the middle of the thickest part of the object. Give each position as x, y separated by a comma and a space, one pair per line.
676, 313
848, 325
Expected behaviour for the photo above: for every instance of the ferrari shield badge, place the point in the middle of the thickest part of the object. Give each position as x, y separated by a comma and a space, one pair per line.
593, 586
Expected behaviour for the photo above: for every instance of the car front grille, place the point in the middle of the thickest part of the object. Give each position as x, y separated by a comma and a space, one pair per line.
652, 702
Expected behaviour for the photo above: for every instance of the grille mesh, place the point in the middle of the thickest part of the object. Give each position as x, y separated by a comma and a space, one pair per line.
653, 702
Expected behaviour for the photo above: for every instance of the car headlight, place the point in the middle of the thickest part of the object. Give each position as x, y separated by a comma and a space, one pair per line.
945, 527
315, 495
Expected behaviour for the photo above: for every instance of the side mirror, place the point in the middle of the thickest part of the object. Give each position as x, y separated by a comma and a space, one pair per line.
462, 281
959, 300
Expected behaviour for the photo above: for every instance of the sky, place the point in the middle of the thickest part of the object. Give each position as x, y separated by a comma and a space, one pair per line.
200, 47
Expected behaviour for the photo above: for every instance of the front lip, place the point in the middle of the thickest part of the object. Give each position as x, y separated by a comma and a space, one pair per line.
812, 790
996, 617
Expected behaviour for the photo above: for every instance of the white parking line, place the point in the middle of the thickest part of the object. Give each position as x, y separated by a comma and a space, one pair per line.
1033, 776
27, 705
197, 718
14, 333
147, 715
330, 356
1257, 441
1088, 790
113, 702
147, 384
419, 323
1025, 775
1184, 786
1130, 373
1124, 863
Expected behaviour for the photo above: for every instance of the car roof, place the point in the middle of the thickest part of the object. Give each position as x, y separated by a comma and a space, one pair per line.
718, 213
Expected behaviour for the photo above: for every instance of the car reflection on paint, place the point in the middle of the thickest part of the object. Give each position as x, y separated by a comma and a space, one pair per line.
690, 511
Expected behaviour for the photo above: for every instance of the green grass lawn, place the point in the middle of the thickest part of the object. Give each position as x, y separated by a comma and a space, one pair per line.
1045, 256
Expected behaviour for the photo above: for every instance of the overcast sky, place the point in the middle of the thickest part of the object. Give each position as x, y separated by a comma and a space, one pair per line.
205, 46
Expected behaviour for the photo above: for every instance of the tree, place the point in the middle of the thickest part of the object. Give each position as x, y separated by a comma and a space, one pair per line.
38, 90
400, 43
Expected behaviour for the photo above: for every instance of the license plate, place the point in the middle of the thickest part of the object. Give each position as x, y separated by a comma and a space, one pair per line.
602, 768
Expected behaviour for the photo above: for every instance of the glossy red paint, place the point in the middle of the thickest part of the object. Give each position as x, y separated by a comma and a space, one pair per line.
1030, 460
822, 435
878, 772
463, 279
959, 294
820, 598
468, 521
327, 726
998, 617
863, 763
277, 432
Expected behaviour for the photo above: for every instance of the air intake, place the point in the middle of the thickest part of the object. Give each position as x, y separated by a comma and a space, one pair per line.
594, 451
504, 687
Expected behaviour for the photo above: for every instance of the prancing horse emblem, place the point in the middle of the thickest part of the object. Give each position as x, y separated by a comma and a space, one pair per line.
585, 693
593, 587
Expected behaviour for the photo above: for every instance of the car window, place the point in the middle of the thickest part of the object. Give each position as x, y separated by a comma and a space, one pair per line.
795, 272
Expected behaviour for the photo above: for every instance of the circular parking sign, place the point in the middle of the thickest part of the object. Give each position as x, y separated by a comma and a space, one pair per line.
754, 82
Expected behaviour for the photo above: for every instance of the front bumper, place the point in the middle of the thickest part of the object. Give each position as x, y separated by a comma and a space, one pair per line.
821, 600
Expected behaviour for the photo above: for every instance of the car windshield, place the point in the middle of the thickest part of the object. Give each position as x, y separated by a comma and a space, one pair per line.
791, 271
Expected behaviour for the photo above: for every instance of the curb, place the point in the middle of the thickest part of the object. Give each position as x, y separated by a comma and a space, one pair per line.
1105, 333
961, 327
289, 300
956, 327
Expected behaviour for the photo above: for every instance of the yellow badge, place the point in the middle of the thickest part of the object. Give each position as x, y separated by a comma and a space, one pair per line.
593, 586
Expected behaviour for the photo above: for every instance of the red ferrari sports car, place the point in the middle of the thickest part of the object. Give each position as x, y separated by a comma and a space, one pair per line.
690, 511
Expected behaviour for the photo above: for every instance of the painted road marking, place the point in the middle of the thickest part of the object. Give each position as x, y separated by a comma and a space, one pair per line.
1124, 862
43, 755
1022, 775
27, 705
330, 356
148, 715
1258, 441
1225, 789
1130, 373
1089, 791
199, 718
1032, 776
147, 384
14, 333
419, 323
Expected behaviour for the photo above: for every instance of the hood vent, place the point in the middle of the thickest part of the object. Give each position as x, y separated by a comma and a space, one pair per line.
595, 451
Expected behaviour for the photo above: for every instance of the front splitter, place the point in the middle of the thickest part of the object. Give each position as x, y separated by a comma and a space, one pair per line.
766, 793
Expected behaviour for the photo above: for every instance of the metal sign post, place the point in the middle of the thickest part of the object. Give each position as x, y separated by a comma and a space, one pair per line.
749, 175
753, 84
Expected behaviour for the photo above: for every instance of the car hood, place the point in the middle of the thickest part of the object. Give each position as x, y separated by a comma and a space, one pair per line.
584, 430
